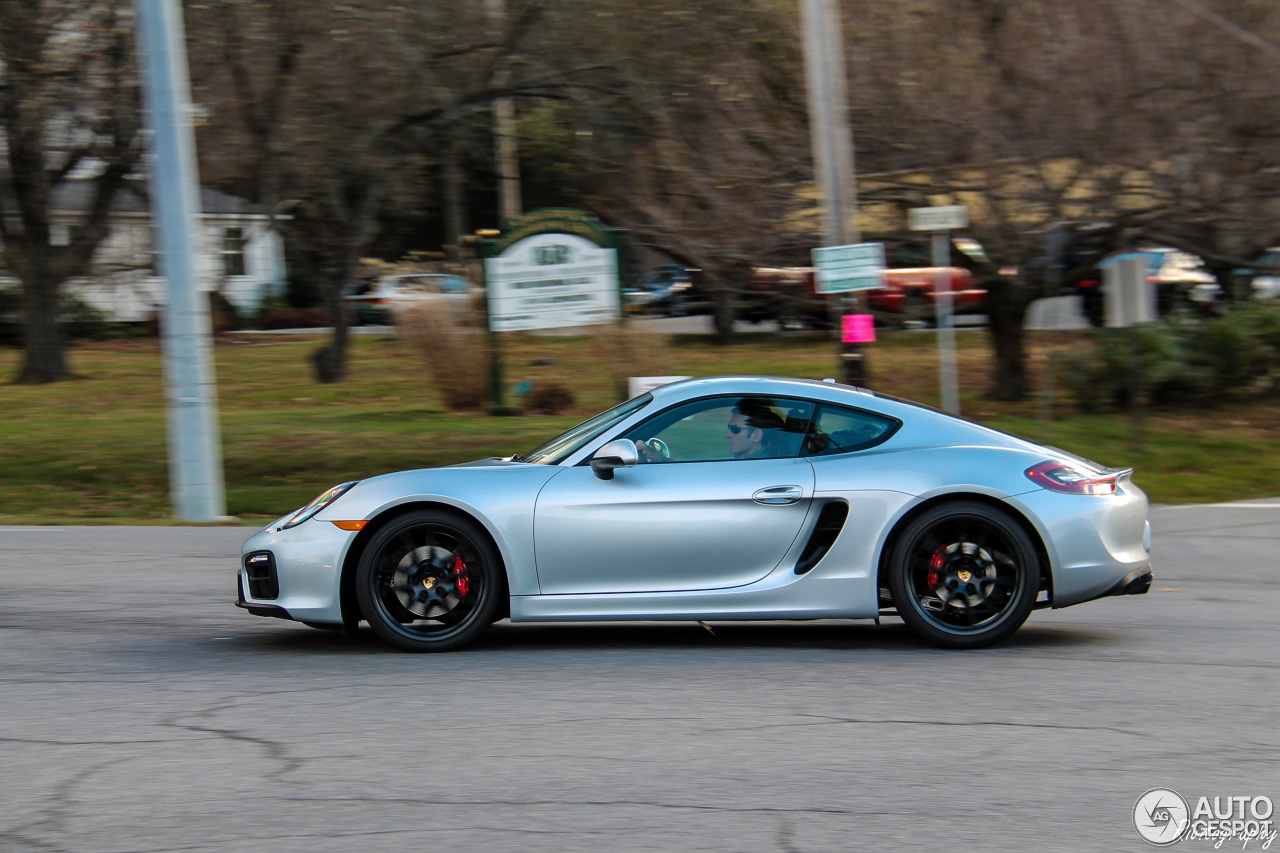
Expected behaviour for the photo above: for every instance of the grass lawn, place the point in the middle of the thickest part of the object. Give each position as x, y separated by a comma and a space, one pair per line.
94, 450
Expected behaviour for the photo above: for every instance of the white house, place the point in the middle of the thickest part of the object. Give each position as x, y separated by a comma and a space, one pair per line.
241, 256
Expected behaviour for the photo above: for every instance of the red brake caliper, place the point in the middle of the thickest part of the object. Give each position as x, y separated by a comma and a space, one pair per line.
463, 582
937, 561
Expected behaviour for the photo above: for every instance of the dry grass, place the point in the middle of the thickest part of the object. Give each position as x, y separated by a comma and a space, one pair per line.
452, 344
625, 351
94, 450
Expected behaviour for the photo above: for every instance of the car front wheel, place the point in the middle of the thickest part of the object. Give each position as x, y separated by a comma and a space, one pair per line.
428, 581
964, 575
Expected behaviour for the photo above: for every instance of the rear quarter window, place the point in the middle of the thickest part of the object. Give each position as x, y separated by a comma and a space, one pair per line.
839, 430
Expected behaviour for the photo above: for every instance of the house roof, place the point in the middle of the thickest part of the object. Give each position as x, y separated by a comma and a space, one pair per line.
76, 196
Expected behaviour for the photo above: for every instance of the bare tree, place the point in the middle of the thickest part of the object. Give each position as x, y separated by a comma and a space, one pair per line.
1151, 119
695, 141
1133, 117
350, 149
68, 111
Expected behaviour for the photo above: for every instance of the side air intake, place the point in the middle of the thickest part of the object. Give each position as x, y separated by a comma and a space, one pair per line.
830, 523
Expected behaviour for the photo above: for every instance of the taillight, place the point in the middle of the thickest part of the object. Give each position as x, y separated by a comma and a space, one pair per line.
1061, 477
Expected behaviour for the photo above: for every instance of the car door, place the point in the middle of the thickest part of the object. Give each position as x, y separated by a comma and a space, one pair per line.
694, 517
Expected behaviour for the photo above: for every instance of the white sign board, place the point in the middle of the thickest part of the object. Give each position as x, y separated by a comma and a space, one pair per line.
947, 218
859, 266
551, 281
638, 385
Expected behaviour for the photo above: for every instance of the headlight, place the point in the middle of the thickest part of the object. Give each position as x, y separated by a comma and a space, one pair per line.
318, 504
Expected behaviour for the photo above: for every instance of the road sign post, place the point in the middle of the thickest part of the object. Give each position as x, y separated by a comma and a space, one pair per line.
941, 221
832, 140
846, 270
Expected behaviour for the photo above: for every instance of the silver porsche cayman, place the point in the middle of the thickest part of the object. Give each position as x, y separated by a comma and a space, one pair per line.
725, 498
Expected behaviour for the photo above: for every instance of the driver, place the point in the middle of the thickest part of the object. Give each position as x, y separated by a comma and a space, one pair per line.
752, 429
751, 432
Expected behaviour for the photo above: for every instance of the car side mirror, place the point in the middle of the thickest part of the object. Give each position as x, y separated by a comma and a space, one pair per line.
619, 453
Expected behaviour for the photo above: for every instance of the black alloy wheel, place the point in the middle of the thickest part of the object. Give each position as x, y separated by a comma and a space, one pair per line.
428, 581
964, 575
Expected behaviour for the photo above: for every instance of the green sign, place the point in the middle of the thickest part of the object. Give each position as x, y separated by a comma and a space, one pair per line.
559, 220
859, 266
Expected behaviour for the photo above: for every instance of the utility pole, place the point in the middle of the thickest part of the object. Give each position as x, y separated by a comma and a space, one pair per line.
195, 450
504, 122
832, 142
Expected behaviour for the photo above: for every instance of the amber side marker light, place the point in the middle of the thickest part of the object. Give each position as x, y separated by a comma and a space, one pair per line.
349, 525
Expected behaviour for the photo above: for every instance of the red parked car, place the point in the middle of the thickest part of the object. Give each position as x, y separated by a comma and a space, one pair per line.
789, 294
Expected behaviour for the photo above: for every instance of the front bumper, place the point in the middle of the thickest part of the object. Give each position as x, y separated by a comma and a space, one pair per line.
308, 565
258, 609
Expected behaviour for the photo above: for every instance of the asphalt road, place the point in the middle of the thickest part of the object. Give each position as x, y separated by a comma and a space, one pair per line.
141, 711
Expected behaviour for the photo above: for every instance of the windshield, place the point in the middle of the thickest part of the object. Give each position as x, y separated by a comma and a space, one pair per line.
560, 447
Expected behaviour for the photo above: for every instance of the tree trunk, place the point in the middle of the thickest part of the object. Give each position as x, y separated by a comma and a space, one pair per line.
43, 360
331, 359
455, 217
724, 283
1006, 313
722, 298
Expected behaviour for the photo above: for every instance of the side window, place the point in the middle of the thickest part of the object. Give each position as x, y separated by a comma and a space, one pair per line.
837, 430
723, 428
233, 241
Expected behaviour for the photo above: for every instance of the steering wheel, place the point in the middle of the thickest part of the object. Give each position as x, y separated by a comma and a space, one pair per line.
660, 446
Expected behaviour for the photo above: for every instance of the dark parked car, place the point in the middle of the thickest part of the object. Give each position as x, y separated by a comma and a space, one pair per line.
668, 289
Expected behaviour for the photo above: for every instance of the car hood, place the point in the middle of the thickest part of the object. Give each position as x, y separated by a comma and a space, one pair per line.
478, 487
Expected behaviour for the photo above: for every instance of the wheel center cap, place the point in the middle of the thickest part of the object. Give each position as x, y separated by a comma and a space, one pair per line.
964, 575
429, 582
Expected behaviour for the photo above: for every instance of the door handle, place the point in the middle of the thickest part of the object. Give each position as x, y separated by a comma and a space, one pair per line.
778, 495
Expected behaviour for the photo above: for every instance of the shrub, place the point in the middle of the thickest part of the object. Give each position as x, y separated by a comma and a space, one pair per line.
453, 344
223, 315
549, 399
1178, 359
81, 320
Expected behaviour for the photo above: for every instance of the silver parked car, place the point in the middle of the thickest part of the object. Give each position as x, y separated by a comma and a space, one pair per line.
726, 498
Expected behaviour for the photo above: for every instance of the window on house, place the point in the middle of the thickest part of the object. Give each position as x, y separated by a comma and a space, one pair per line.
233, 251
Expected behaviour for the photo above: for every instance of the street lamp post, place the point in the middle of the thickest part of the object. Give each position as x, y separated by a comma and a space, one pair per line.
195, 450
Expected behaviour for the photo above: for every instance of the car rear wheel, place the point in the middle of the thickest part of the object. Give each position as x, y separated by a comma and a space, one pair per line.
428, 581
964, 575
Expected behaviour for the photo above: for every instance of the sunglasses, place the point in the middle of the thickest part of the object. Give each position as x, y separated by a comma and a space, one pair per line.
735, 428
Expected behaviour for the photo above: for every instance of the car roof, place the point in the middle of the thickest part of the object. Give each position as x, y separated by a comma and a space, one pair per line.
950, 427
749, 384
